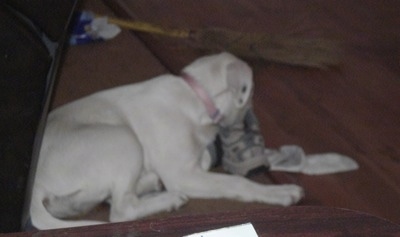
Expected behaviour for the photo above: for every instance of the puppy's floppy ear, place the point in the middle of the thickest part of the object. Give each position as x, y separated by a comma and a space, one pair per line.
240, 84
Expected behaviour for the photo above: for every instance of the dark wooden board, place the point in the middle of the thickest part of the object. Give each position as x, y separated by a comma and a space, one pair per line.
293, 221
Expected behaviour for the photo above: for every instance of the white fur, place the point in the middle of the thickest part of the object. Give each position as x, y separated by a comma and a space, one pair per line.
118, 144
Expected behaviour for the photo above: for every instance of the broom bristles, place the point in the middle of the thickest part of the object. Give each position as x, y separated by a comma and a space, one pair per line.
309, 52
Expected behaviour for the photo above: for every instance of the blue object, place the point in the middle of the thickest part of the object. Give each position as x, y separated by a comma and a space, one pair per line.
80, 30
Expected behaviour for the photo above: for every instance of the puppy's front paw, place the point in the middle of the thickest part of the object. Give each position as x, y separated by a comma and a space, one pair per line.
296, 193
284, 195
177, 200
290, 194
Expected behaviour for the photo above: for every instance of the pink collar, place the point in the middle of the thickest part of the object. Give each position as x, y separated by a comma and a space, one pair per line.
212, 110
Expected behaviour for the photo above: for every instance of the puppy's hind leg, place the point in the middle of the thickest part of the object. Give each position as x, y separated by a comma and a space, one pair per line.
129, 207
148, 182
72, 205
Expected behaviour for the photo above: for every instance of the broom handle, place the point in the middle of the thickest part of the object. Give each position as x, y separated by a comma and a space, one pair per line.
149, 28
301, 52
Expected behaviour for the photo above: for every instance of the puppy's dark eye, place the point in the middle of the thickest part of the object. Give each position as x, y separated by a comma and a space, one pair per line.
244, 89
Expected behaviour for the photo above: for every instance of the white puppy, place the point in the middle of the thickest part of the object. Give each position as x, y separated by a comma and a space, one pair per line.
118, 144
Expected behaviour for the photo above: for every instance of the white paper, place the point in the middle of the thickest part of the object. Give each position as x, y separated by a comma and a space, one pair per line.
244, 230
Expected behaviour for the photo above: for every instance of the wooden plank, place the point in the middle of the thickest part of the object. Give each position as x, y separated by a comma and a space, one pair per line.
297, 123
291, 221
89, 68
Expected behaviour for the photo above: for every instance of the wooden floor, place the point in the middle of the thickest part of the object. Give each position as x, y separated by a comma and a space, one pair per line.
352, 109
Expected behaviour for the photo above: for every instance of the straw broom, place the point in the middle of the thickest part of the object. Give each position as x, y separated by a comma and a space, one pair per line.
308, 52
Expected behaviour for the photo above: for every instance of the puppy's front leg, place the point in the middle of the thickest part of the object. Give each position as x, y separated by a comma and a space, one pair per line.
202, 184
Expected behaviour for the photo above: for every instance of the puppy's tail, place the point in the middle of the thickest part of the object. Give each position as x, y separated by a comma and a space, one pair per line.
43, 220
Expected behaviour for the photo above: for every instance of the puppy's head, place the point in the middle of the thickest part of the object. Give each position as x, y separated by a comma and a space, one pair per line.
229, 82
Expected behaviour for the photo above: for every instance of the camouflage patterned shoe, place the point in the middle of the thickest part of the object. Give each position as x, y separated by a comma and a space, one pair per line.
243, 146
